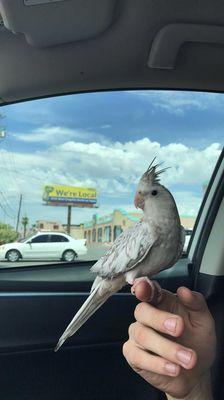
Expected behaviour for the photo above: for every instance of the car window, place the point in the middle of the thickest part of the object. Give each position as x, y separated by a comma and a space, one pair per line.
58, 238
41, 239
24, 239
71, 165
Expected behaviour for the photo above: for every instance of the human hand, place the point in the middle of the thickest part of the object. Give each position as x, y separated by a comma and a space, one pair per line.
172, 343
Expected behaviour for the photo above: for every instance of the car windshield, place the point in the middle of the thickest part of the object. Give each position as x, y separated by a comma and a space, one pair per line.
71, 164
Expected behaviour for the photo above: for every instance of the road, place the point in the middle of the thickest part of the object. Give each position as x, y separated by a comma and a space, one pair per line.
93, 253
82, 272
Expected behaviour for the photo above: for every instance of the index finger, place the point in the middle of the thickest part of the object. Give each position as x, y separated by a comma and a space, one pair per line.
151, 292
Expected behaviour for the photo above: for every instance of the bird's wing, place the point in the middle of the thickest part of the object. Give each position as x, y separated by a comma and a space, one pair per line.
128, 250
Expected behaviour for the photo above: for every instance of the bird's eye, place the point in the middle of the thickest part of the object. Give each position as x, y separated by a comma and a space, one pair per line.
154, 192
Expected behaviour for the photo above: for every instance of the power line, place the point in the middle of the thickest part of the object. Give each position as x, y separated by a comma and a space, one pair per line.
11, 157
5, 212
8, 166
6, 202
23, 174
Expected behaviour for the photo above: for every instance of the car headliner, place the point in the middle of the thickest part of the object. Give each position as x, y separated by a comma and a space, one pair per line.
120, 56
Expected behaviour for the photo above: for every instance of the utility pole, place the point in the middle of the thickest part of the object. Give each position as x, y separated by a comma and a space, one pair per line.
18, 215
69, 219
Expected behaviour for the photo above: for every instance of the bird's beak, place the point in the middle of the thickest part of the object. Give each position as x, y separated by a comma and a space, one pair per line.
139, 201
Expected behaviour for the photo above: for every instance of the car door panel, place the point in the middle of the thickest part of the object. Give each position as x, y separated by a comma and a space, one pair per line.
90, 365
73, 374
57, 246
37, 251
30, 250
40, 248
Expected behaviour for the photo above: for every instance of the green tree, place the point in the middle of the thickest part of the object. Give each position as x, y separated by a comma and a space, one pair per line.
7, 233
25, 221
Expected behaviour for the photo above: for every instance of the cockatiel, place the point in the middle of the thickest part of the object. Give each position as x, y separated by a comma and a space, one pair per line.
151, 245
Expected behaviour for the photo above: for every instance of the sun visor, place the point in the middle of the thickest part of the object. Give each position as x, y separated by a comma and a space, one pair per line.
170, 38
51, 22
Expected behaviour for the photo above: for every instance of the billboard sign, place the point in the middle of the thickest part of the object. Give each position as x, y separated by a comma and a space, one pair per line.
60, 195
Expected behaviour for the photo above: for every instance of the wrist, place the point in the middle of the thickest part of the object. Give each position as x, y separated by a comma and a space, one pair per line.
201, 391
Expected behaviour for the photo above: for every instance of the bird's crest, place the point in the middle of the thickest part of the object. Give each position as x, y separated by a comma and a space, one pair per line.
152, 174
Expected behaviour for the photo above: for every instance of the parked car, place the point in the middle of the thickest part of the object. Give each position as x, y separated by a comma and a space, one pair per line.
48, 245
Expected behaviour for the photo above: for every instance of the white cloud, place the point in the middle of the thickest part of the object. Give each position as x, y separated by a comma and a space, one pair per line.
107, 126
178, 102
188, 202
114, 168
56, 134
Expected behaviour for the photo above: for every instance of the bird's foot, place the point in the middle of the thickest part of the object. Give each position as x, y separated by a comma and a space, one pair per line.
155, 289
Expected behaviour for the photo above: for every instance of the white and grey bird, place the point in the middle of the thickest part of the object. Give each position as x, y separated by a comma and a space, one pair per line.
151, 245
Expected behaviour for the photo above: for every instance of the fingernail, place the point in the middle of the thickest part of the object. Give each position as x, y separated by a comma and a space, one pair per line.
171, 368
184, 356
170, 324
134, 287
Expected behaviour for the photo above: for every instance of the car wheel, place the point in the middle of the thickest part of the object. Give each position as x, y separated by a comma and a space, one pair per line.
69, 255
13, 255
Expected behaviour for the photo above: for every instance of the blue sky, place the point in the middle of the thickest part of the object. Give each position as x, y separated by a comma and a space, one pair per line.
107, 140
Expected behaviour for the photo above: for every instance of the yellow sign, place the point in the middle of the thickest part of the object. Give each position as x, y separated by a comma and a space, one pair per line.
70, 195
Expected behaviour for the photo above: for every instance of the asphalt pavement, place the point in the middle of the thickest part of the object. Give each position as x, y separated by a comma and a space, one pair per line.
82, 271
93, 253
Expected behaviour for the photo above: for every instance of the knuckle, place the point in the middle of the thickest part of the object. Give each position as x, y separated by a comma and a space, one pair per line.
131, 329
135, 358
194, 359
138, 310
125, 349
131, 354
141, 335
200, 297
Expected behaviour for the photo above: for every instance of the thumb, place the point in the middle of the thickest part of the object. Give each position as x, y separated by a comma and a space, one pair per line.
193, 301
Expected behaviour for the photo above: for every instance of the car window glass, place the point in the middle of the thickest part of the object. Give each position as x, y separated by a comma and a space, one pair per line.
71, 165
40, 239
58, 238
24, 239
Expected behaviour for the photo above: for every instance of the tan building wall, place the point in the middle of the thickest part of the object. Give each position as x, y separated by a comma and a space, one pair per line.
187, 222
103, 229
76, 231
53, 226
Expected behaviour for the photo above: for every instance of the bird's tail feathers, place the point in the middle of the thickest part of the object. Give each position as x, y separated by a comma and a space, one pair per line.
102, 291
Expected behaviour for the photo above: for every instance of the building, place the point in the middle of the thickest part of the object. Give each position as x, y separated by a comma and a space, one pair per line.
104, 229
55, 226
76, 231
187, 222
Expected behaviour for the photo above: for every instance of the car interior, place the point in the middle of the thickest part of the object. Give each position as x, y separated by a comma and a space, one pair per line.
63, 47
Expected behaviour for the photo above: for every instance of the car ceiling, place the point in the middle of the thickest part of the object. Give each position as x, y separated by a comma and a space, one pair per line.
69, 46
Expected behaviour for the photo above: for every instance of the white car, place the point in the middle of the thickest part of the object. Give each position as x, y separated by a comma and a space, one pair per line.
44, 245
